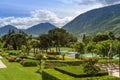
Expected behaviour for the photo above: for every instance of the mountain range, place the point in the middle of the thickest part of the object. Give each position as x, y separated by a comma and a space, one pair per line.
34, 30
93, 21
96, 20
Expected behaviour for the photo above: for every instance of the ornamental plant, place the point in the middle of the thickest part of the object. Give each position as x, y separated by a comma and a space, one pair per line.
11, 59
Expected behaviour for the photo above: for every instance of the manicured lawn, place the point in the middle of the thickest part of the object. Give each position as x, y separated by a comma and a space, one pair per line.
73, 69
16, 71
52, 74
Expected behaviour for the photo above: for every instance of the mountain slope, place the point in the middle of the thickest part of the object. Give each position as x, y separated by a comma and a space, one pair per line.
5, 29
95, 20
39, 29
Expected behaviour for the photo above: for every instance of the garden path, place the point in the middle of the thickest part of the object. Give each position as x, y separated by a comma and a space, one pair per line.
2, 65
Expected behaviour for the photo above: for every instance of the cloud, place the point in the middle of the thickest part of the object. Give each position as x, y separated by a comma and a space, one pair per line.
70, 9
36, 17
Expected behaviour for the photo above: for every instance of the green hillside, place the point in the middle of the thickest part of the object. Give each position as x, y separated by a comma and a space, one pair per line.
97, 20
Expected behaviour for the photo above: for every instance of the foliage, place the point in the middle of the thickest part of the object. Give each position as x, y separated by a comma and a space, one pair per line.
97, 20
28, 63
60, 37
91, 47
89, 65
15, 71
58, 63
16, 40
79, 47
101, 37
39, 57
52, 74
78, 71
18, 59
11, 59
45, 41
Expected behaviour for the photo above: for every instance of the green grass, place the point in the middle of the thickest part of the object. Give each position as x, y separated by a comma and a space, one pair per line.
104, 61
50, 73
73, 69
16, 71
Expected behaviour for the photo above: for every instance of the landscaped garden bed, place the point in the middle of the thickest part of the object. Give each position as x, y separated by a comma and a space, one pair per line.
78, 71
52, 74
16, 71
59, 63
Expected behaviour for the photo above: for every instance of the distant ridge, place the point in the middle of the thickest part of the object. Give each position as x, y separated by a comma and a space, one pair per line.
97, 20
34, 30
5, 29
39, 29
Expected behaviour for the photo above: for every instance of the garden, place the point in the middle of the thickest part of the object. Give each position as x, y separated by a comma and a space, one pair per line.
47, 57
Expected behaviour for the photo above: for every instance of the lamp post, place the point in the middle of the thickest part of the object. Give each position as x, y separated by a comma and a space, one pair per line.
119, 61
110, 52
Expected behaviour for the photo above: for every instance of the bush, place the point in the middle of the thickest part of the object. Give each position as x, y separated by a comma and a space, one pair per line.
89, 65
18, 59
13, 53
11, 59
51, 74
22, 61
77, 71
29, 63
53, 53
59, 63
53, 58
23, 57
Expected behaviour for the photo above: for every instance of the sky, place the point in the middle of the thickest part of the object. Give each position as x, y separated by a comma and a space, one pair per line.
26, 13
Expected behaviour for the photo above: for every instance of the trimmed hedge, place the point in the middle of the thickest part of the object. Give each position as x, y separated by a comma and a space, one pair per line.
80, 75
59, 63
29, 63
53, 53
51, 74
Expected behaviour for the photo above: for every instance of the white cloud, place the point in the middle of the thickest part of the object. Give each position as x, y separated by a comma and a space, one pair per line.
70, 10
36, 17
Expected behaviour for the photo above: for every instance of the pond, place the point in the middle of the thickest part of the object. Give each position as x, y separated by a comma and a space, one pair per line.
69, 53
89, 55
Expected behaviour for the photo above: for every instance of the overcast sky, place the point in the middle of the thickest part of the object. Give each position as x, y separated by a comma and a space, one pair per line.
26, 13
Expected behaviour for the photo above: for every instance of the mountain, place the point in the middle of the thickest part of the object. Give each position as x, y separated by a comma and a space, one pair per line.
5, 29
97, 20
39, 29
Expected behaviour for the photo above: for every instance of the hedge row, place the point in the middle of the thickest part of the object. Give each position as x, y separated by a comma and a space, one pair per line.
51, 74
59, 63
29, 63
102, 73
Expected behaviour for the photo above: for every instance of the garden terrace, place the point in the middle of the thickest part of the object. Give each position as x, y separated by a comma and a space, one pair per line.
58, 63
77, 71
52, 74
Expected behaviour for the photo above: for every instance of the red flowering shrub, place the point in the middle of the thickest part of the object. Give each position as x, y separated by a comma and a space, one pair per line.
22, 62
11, 59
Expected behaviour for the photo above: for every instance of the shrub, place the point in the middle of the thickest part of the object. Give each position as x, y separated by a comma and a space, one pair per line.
53, 58
51, 74
28, 63
11, 59
13, 53
18, 59
22, 61
89, 65
23, 57
77, 71
53, 53
59, 63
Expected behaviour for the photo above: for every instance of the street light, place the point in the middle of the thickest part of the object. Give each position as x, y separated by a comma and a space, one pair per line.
110, 52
